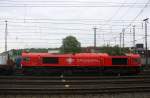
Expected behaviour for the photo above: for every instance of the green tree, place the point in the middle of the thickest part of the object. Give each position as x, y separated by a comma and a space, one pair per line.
116, 50
70, 45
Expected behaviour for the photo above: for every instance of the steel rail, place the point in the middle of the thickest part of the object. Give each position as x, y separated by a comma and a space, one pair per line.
74, 77
73, 84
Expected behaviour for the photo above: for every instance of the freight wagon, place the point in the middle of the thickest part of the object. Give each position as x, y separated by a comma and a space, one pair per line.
7, 65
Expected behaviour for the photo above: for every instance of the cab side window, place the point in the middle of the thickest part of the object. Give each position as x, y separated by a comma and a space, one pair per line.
50, 60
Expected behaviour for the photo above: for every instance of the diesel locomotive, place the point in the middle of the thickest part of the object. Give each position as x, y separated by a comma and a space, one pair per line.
80, 62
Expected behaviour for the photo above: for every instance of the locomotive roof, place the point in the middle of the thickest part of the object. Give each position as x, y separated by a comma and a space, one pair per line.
133, 55
91, 54
128, 55
78, 54
44, 54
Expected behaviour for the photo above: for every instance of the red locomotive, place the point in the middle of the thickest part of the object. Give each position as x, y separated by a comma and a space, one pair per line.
80, 62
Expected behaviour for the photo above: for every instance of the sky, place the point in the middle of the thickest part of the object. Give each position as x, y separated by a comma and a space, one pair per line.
44, 23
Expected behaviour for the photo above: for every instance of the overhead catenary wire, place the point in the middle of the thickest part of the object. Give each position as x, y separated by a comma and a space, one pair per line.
27, 3
67, 29
126, 13
67, 4
141, 11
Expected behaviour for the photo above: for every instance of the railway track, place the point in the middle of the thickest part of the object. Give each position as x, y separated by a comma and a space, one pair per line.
73, 84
